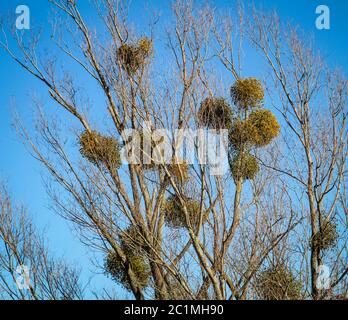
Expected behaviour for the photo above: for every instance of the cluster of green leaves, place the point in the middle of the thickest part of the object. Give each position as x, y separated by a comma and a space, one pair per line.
215, 113
132, 57
244, 166
174, 213
247, 93
327, 237
278, 283
253, 128
133, 247
257, 130
100, 150
249, 127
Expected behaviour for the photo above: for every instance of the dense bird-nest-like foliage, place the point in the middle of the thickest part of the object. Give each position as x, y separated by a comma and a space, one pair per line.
118, 271
258, 130
132, 57
100, 150
242, 133
266, 127
145, 46
327, 237
278, 283
215, 113
244, 166
133, 245
174, 212
247, 93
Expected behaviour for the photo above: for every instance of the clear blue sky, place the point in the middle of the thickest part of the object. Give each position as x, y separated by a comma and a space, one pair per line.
24, 174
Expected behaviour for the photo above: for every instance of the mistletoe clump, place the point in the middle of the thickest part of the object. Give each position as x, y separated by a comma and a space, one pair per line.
133, 245
258, 130
118, 270
278, 283
244, 166
242, 133
145, 46
132, 57
265, 127
247, 93
100, 149
251, 129
215, 113
327, 237
174, 213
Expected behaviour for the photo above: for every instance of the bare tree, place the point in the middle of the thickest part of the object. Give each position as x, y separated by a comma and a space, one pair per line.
170, 230
21, 247
312, 99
